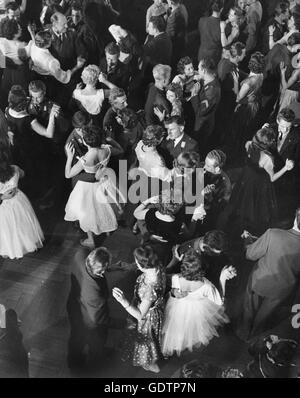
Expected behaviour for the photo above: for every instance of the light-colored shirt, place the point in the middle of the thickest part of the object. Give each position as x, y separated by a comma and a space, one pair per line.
91, 103
45, 64
11, 49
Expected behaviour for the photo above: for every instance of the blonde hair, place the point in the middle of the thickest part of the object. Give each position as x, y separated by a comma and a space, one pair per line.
90, 74
162, 72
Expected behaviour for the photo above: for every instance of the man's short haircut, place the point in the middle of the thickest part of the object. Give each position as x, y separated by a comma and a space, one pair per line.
217, 5
158, 23
161, 72
208, 65
36, 86
12, 5
55, 16
116, 93
112, 48
286, 114
281, 8
216, 240
218, 156
43, 39
99, 259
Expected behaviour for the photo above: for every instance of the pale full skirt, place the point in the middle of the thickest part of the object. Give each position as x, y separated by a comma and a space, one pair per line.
190, 323
90, 205
20, 230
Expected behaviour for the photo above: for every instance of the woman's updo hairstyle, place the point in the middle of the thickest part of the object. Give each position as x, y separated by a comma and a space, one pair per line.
43, 39
17, 99
183, 62
265, 138
90, 75
9, 28
153, 135
257, 63
92, 136
128, 117
146, 257
192, 268
176, 89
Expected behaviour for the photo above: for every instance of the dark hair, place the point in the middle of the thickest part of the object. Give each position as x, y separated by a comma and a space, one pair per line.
158, 23
17, 98
176, 89
265, 138
192, 268
92, 136
80, 119
146, 257
257, 63
208, 65
175, 119
43, 39
182, 64
281, 8
192, 159
153, 135
170, 203
298, 217
12, 5
112, 48
6, 169
216, 240
294, 38
218, 156
9, 28
236, 49
100, 256
37, 86
286, 114
128, 117
76, 6
217, 5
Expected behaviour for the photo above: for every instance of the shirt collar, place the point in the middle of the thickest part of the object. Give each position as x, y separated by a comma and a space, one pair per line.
176, 142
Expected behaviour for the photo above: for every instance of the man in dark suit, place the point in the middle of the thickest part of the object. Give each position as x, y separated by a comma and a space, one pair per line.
177, 141
205, 100
117, 72
156, 95
67, 49
273, 283
158, 47
88, 309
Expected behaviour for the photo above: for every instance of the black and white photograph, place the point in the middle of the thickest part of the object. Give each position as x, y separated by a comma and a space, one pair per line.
149, 191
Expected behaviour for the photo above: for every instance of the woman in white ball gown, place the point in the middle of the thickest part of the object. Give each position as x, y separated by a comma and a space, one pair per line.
20, 231
94, 195
194, 310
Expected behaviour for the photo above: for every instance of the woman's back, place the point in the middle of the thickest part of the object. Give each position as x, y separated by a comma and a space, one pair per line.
96, 158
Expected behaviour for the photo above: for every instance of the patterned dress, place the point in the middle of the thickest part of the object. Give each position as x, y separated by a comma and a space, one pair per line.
142, 344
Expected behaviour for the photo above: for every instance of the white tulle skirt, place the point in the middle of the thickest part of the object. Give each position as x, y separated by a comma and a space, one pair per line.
190, 323
91, 205
20, 230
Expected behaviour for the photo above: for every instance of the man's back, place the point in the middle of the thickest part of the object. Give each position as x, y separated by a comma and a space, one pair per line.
278, 268
210, 37
159, 50
87, 301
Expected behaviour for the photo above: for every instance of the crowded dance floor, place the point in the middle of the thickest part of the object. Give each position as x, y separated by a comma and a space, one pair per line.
150, 189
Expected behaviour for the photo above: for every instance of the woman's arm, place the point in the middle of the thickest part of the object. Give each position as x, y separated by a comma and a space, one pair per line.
47, 132
293, 79
226, 41
269, 167
137, 313
141, 211
103, 79
227, 273
243, 92
70, 171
